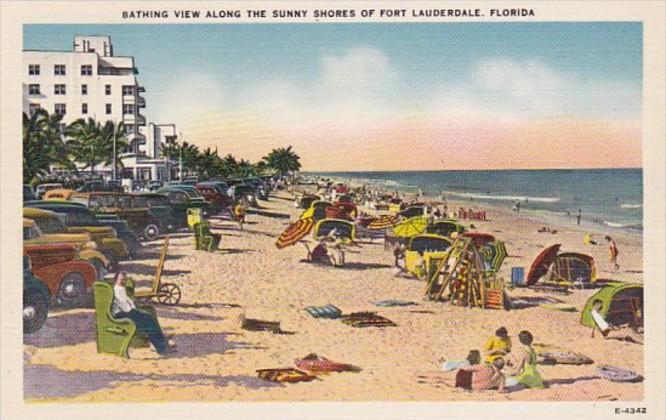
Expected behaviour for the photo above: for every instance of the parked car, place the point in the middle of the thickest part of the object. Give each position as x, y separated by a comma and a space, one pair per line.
28, 193
67, 276
182, 199
52, 220
244, 193
101, 186
33, 235
78, 215
36, 299
43, 188
58, 194
108, 205
217, 200
161, 208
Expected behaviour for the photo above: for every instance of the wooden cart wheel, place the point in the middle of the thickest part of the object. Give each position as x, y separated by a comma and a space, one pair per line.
168, 294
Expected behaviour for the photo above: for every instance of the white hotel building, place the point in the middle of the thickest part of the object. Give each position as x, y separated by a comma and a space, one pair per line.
91, 82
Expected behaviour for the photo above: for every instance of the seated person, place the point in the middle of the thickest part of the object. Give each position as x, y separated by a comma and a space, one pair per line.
473, 358
525, 372
319, 254
124, 307
482, 377
498, 345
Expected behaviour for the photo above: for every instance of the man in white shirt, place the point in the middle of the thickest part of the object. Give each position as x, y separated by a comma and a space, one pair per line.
123, 307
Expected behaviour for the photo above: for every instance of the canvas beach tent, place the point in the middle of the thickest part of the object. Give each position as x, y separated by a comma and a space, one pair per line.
617, 304
574, 268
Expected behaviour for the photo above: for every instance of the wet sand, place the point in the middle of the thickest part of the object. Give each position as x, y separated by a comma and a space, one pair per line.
216, 359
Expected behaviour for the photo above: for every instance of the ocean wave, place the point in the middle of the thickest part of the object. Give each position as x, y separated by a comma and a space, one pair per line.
623, 226
631, 206
504, 197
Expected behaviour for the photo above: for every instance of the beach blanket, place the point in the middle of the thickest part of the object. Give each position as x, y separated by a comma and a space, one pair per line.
367, 319
316, 364
554, 355
260, 325
616, 374
327, 311
284, 375
395, 302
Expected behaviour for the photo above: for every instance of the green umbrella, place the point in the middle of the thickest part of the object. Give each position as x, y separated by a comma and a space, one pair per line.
494, 254
411, 227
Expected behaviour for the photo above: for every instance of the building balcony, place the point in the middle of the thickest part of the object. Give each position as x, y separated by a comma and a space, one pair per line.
141, 102
134, 119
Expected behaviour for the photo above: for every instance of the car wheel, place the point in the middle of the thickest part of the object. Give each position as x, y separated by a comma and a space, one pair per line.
101, 270
71, 290
35, 311
151, 232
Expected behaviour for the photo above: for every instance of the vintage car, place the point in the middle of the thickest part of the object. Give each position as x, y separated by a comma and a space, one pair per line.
244, 193
36, 299
218, 200
78, 215
58, 194
28, 193
161, 208
41, 189
59, 266
421, 248
111, 205
52, 222
87, 250
181, 199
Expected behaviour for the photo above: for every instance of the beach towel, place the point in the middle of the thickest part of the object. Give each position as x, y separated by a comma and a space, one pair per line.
316, 364
616, 374
395, 302
327, 311
284, 375
366, 319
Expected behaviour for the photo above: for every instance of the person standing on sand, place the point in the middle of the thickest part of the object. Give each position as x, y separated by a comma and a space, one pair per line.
239, 212
613, 252
579, 216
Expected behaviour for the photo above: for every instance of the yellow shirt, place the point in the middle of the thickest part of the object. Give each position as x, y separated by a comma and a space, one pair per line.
496, 347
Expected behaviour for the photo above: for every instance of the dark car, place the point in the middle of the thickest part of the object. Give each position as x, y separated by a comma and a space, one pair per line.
217, 200
36, 299
101, 186
160, 206
78, 215
244, 193
183, 198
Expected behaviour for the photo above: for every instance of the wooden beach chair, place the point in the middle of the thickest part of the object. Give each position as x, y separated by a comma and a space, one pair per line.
114, 335
204, 239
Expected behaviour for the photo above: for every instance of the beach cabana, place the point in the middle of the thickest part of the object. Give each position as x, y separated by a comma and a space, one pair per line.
479, 238
421, 248
306, 200
445, 227
343, 229
620, 304
574, 268
414, 211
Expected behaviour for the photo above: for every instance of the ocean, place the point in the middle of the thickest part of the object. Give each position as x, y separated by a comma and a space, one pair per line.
606, 197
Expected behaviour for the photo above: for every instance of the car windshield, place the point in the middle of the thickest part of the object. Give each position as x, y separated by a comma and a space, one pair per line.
140, 202
79, 218
51, 225
156, 201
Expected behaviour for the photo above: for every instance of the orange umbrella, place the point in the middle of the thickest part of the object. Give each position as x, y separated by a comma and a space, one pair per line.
382, 222
295, 232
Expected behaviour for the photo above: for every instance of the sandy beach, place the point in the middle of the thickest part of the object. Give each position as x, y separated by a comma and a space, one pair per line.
216, 360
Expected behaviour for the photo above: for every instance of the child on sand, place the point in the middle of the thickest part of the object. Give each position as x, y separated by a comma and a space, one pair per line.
498, 345
613, 252
239, 212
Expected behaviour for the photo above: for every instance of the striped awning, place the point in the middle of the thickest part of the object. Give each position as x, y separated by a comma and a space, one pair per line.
295, 232
382, 222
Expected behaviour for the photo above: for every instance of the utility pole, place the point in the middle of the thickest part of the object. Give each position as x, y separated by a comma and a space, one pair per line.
180, 165
115, 166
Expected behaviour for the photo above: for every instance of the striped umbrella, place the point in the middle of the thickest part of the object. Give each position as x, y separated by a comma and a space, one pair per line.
295, 232
382, 222
494, 254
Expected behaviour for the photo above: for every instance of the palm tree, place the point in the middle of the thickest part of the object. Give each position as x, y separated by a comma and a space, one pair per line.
283, 160
43, 145
91, 143
108, 131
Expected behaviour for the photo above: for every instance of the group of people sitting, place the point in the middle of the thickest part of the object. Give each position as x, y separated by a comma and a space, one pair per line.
498, 354
329, 250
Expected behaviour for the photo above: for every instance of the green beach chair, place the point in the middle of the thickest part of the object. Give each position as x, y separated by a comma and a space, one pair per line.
113, 335
204, 239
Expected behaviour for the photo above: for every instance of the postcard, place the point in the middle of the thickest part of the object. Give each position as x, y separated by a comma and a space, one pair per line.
333, 209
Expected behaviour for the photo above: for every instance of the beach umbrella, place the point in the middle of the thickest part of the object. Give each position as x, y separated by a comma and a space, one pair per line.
495, 253
542, 263
382, 222
411, 227
295, 232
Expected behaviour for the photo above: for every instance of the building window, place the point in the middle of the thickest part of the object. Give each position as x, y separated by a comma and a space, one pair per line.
128, 109
60, 109
33, 89
86, 70
33, 69
59, 70
108, 108
107, 89
32, 108
84, 89
59, 89
84, 108
128, 90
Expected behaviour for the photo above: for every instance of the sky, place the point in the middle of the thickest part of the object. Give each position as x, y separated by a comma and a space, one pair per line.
398, 96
